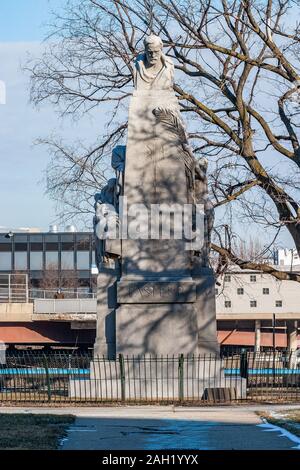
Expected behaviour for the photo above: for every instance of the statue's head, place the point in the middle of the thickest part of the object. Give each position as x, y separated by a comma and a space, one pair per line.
153, 49
203, 164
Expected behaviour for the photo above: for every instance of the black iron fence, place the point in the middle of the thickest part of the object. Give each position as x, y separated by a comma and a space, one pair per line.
64, 378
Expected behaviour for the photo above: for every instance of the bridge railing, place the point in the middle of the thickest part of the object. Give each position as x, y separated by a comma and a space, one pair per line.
36, 293
14, 288
61, 306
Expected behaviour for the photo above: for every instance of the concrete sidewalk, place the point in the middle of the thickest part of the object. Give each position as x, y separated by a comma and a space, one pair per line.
167, 427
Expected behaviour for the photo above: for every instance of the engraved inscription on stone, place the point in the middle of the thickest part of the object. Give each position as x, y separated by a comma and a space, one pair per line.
156, 292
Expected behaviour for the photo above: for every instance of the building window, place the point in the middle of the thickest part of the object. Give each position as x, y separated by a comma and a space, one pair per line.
5, 262
240, 291
52, 260
36, 260
278, 303
83, 242
227, 278
67, 246
83, 260
253, 303
21, 247
21, 261
51, 246
5, 247
67, 260
36, 247
266, 291
227, 303
217, 291
252, 278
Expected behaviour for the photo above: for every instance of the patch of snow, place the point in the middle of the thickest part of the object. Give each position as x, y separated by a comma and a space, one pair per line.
268, 427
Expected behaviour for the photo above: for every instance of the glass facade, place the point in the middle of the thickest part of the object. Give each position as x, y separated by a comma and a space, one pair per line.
83, 260
37, 252
67, 260
21, 261
36, 260
52, 260
5, 261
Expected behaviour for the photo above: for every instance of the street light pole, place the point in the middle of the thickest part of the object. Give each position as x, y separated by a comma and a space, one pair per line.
274, 344
274, 332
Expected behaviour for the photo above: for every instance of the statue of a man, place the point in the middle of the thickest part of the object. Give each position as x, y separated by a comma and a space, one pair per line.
153, 71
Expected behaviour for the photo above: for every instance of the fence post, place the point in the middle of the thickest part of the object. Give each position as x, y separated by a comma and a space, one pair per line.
9, 288
47, 378
122, 376
180, 377
27, 288
244, 365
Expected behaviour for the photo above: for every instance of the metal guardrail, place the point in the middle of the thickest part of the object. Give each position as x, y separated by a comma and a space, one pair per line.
35, 293
61, 306
14, 288
64, 378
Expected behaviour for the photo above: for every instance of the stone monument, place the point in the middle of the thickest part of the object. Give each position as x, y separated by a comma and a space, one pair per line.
155, 292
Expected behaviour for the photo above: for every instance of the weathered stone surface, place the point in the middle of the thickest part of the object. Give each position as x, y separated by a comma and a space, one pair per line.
205, 307
162, 329
106, 305
163, 302
154, 174
156, 292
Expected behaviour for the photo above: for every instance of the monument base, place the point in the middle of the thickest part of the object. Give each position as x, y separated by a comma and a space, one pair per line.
157, 329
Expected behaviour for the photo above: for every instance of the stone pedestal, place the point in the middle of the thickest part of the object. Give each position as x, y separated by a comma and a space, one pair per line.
106, 311
205, 308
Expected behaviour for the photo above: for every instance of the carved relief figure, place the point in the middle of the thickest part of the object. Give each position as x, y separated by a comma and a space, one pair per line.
106, 219
118, 164
174, 123
202, 197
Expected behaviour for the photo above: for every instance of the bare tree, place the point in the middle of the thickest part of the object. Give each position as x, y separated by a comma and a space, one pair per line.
52, 280
238, 85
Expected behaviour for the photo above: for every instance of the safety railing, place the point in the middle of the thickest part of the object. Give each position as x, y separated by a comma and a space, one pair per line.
44, 294
81, 378
14, 288
65, 306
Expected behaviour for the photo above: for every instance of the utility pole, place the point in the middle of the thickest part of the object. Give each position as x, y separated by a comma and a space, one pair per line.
274, 344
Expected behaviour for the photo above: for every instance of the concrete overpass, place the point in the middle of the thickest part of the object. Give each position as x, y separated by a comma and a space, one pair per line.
81, 315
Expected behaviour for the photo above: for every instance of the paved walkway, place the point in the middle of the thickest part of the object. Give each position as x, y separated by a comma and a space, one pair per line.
148, 428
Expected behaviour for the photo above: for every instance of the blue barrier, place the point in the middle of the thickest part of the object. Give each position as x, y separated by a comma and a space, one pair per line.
269, 371
43, 371
76, 372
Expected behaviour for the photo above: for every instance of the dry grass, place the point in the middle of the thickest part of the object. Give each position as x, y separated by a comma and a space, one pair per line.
37, 432
289, 420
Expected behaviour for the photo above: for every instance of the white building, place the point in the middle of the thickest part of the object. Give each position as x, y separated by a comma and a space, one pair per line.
248, 304
287, 259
